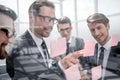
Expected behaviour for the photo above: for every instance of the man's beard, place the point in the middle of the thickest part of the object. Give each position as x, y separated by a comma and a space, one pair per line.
3, 53
40, 31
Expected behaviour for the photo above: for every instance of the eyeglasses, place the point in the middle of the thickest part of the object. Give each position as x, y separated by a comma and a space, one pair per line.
66, 29
10, 33
48, 19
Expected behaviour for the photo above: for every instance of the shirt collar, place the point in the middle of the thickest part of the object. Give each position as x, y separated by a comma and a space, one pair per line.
37, 40
70, 40
107, 46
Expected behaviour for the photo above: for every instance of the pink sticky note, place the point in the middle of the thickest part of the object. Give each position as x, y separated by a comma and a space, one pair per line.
73, 73
96, 72
89, 48
114, 40
58, 47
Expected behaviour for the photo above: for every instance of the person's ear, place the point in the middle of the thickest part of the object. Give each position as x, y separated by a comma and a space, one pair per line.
108, 26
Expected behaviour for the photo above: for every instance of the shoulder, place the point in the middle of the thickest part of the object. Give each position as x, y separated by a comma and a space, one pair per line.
116, 49
77, 38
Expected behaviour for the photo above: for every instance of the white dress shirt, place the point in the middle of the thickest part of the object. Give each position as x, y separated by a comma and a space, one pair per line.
107, 47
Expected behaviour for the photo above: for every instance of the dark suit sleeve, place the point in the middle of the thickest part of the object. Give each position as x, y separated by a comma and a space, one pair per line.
79, 43
9, 60
9, 67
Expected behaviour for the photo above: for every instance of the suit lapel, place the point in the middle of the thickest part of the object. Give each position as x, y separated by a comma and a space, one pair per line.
33, 47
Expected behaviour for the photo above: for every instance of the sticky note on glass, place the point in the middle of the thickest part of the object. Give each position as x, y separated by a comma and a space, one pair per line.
114, 40
73, 73
88, 48
57, 47
96, 72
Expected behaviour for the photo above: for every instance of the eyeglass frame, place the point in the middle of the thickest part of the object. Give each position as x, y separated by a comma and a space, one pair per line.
48, 19
10, 33
66, 29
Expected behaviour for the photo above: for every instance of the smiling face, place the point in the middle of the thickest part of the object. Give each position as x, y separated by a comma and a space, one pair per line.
100, 32
5, 21
43, 26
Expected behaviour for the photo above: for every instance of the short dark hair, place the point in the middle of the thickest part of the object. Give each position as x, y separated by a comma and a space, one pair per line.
34, 8
7, 11
64, 20
98, 18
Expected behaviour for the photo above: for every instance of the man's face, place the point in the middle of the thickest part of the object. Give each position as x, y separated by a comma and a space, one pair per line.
43, 24
3, 43
100, 32
5, 21
65, 30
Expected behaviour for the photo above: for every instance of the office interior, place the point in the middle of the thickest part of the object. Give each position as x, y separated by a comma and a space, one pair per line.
76, 10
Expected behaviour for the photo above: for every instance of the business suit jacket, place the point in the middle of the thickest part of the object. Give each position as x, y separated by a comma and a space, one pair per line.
113, 64
23, 62
76, 44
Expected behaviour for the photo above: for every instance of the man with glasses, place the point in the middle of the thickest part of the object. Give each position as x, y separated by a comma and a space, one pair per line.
65, 29
29, 58
7, 18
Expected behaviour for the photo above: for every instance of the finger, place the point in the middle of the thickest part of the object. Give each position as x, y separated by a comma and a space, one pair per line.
76, 61
77, 54
69, 64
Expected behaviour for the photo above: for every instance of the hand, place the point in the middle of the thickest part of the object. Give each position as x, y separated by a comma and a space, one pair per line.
72, 59
58, 58
84, 77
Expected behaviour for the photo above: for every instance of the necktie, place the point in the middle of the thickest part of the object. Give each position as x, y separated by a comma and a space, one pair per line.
45, 51
67, 51
101, 57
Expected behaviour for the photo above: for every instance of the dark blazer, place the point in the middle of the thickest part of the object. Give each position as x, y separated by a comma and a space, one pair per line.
76, 44
113, 64
23, 62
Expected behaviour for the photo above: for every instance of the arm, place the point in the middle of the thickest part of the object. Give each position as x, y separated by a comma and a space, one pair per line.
9, 66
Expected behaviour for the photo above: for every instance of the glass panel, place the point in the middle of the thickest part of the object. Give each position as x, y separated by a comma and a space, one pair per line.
83, 31
85, 8
22, 28
23, 9
73, 29
9, 3
57, 10
114, 25
68, 9
109, 6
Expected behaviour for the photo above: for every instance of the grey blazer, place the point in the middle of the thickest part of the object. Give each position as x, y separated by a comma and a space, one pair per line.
23, 62
76, 44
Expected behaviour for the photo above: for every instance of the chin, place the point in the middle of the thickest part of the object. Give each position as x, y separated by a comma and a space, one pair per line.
46, 36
